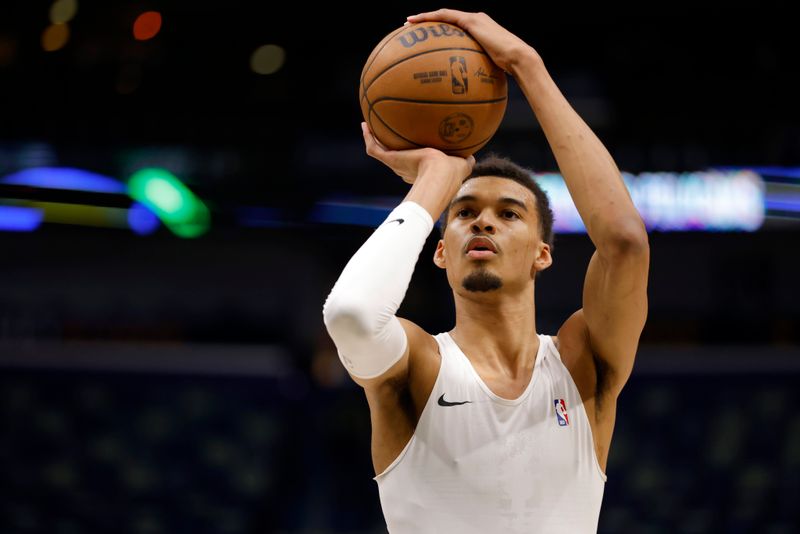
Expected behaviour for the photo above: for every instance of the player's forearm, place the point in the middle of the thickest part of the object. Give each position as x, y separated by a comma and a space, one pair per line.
374, 282
434, 188
590, 173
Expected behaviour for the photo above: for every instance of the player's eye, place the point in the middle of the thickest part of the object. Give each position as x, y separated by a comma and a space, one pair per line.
510, 213
459, 212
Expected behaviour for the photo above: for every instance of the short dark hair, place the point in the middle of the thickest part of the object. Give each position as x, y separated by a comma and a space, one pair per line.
495, 165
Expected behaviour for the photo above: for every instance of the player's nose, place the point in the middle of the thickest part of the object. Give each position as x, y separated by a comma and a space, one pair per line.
483, 223
483, 228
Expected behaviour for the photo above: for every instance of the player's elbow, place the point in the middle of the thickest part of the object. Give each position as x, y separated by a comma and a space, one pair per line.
346, 316
353, 314
628, 238
366, 348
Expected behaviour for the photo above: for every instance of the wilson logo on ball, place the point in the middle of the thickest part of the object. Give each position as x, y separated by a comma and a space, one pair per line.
419, 35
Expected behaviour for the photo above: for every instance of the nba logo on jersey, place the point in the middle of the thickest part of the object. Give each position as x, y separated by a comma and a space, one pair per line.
561, 412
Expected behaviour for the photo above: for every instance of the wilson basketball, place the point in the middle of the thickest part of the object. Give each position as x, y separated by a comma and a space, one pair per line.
432, 85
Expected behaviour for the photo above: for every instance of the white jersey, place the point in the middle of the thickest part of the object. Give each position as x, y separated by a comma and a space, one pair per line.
480, 463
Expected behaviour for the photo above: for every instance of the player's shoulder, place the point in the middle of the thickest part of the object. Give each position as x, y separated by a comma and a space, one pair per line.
424, 362
423, 350
574, 329
572, 341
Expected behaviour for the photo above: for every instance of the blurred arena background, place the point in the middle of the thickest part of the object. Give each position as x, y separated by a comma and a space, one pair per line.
181, 184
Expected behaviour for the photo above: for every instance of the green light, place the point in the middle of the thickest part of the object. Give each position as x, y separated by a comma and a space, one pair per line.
177, 207
164, 195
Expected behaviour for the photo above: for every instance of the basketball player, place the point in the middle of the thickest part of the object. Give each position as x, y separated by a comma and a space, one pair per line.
493, 427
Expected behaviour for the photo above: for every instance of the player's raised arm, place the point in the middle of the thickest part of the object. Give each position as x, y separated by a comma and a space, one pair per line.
615, 290
359, 313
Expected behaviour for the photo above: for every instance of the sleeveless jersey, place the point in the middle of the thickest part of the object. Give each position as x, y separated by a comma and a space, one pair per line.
480, 463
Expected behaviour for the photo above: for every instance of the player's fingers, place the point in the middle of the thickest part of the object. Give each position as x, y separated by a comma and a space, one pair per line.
470, 163
375, 140
369, 141
442, 15
374, 147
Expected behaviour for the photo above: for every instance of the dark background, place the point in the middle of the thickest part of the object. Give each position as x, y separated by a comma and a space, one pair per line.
153, 384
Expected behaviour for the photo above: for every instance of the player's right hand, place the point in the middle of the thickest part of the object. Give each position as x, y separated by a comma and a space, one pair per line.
505, 48
409, 164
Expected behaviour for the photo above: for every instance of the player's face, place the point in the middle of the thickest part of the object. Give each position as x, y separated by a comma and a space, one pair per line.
492, 239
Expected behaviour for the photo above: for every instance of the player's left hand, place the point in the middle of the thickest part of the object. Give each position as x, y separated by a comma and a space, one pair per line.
409, 164
505, 48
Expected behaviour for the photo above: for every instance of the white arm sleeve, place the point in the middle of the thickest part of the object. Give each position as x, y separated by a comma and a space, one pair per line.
359, 312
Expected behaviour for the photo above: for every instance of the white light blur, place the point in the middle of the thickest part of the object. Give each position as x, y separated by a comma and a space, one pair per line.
709, 201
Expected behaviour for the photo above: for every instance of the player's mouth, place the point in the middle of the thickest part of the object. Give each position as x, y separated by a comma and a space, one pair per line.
480, 254
481, 248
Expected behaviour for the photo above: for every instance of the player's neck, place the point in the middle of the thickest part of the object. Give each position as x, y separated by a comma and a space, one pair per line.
499, 329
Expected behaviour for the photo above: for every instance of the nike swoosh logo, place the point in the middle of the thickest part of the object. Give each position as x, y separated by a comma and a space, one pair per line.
443, 402
399, 221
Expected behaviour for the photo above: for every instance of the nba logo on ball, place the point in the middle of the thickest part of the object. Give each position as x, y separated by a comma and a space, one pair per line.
458, 75
561, 412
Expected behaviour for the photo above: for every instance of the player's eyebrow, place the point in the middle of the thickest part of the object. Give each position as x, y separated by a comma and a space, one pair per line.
473, 198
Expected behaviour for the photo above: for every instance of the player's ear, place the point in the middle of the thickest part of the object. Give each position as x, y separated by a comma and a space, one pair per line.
438, 254
543, 258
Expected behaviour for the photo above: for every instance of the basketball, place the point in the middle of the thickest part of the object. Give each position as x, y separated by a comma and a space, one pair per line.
432, 85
